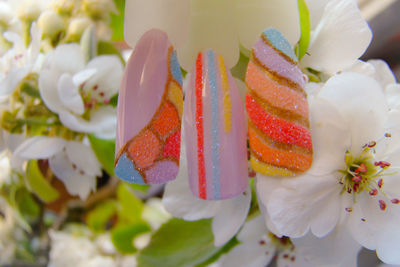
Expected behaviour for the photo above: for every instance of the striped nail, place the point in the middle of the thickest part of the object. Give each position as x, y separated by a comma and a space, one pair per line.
215, 131
279, 135
150, 107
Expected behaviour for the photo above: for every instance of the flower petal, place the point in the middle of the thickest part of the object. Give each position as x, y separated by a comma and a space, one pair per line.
230, 217
340, 38
67, 58
255, 16
108, 75
383, 73
10, 81
69, 94
75, 182
179, 200
210, 27
83, 157
48, 90
316, 9
352, 94
303, 203
102, 122
40, 147
82, 76
171, 16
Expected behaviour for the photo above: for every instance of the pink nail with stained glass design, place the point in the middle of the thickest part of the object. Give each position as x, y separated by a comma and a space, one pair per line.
149, 113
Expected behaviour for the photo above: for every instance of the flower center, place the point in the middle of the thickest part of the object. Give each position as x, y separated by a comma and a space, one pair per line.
365, 174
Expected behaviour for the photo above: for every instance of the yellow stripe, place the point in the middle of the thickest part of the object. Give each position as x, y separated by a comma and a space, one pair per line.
176, 97
267, 169
227, 97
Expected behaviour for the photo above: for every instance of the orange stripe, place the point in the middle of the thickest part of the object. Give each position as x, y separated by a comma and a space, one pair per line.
279, 130
275, 94
200, 129
279, 158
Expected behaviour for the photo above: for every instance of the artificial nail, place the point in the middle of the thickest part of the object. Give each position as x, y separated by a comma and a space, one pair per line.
215, 131
276, 103
150, 107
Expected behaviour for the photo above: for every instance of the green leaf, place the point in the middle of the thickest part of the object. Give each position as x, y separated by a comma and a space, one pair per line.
108, 48
26, 204
117, 21
140, 187
179, 243
104, 150
123, 236
225, 249
99, 217
38, 183
114, 100
305, 28
239, 70
131, 206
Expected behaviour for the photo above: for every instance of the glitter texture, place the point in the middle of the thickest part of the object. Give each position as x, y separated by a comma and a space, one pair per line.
217, 159
279, 135
214, 121
149, 113
200, 127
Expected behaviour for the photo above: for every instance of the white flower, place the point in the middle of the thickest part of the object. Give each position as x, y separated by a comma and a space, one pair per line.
29, 10
78, 93
354, 180
258, 246
197, 25
51, 23
70, 250
74, 163
227, 215
7, 240
339, 35
19, 61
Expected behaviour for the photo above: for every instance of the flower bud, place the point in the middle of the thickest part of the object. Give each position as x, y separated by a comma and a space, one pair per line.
99, 9
76, 28
64, 6
51, 23
29, 10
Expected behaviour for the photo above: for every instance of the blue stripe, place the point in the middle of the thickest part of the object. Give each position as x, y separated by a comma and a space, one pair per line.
127, 171
214, 125
279, 42
174, 68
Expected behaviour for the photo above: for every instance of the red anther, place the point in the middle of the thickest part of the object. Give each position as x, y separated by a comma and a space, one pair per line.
101, 94
88, 105
355, 187
362, 168
293, 258
388, 135
382, 204
395, 201
106, 101
348, 209
357, 178
373, 192
285, 256
380, 183
371, 144
252, 173
382, 164
95, 87
261, 242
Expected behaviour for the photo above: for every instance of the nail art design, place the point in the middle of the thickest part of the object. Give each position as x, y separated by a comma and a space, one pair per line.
215, 132
150, 107
279, 135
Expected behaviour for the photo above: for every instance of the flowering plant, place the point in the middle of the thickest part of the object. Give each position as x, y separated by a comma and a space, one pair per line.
61, 204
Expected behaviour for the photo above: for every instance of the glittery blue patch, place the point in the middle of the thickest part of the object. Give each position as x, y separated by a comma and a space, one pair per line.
214, 124
126, 170
279, 42
175, 69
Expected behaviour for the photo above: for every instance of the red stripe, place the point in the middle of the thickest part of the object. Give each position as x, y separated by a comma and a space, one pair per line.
199, 125
280, 130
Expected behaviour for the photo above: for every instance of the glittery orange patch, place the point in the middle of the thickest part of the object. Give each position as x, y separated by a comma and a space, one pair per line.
144, 149
167, 120
277, 157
